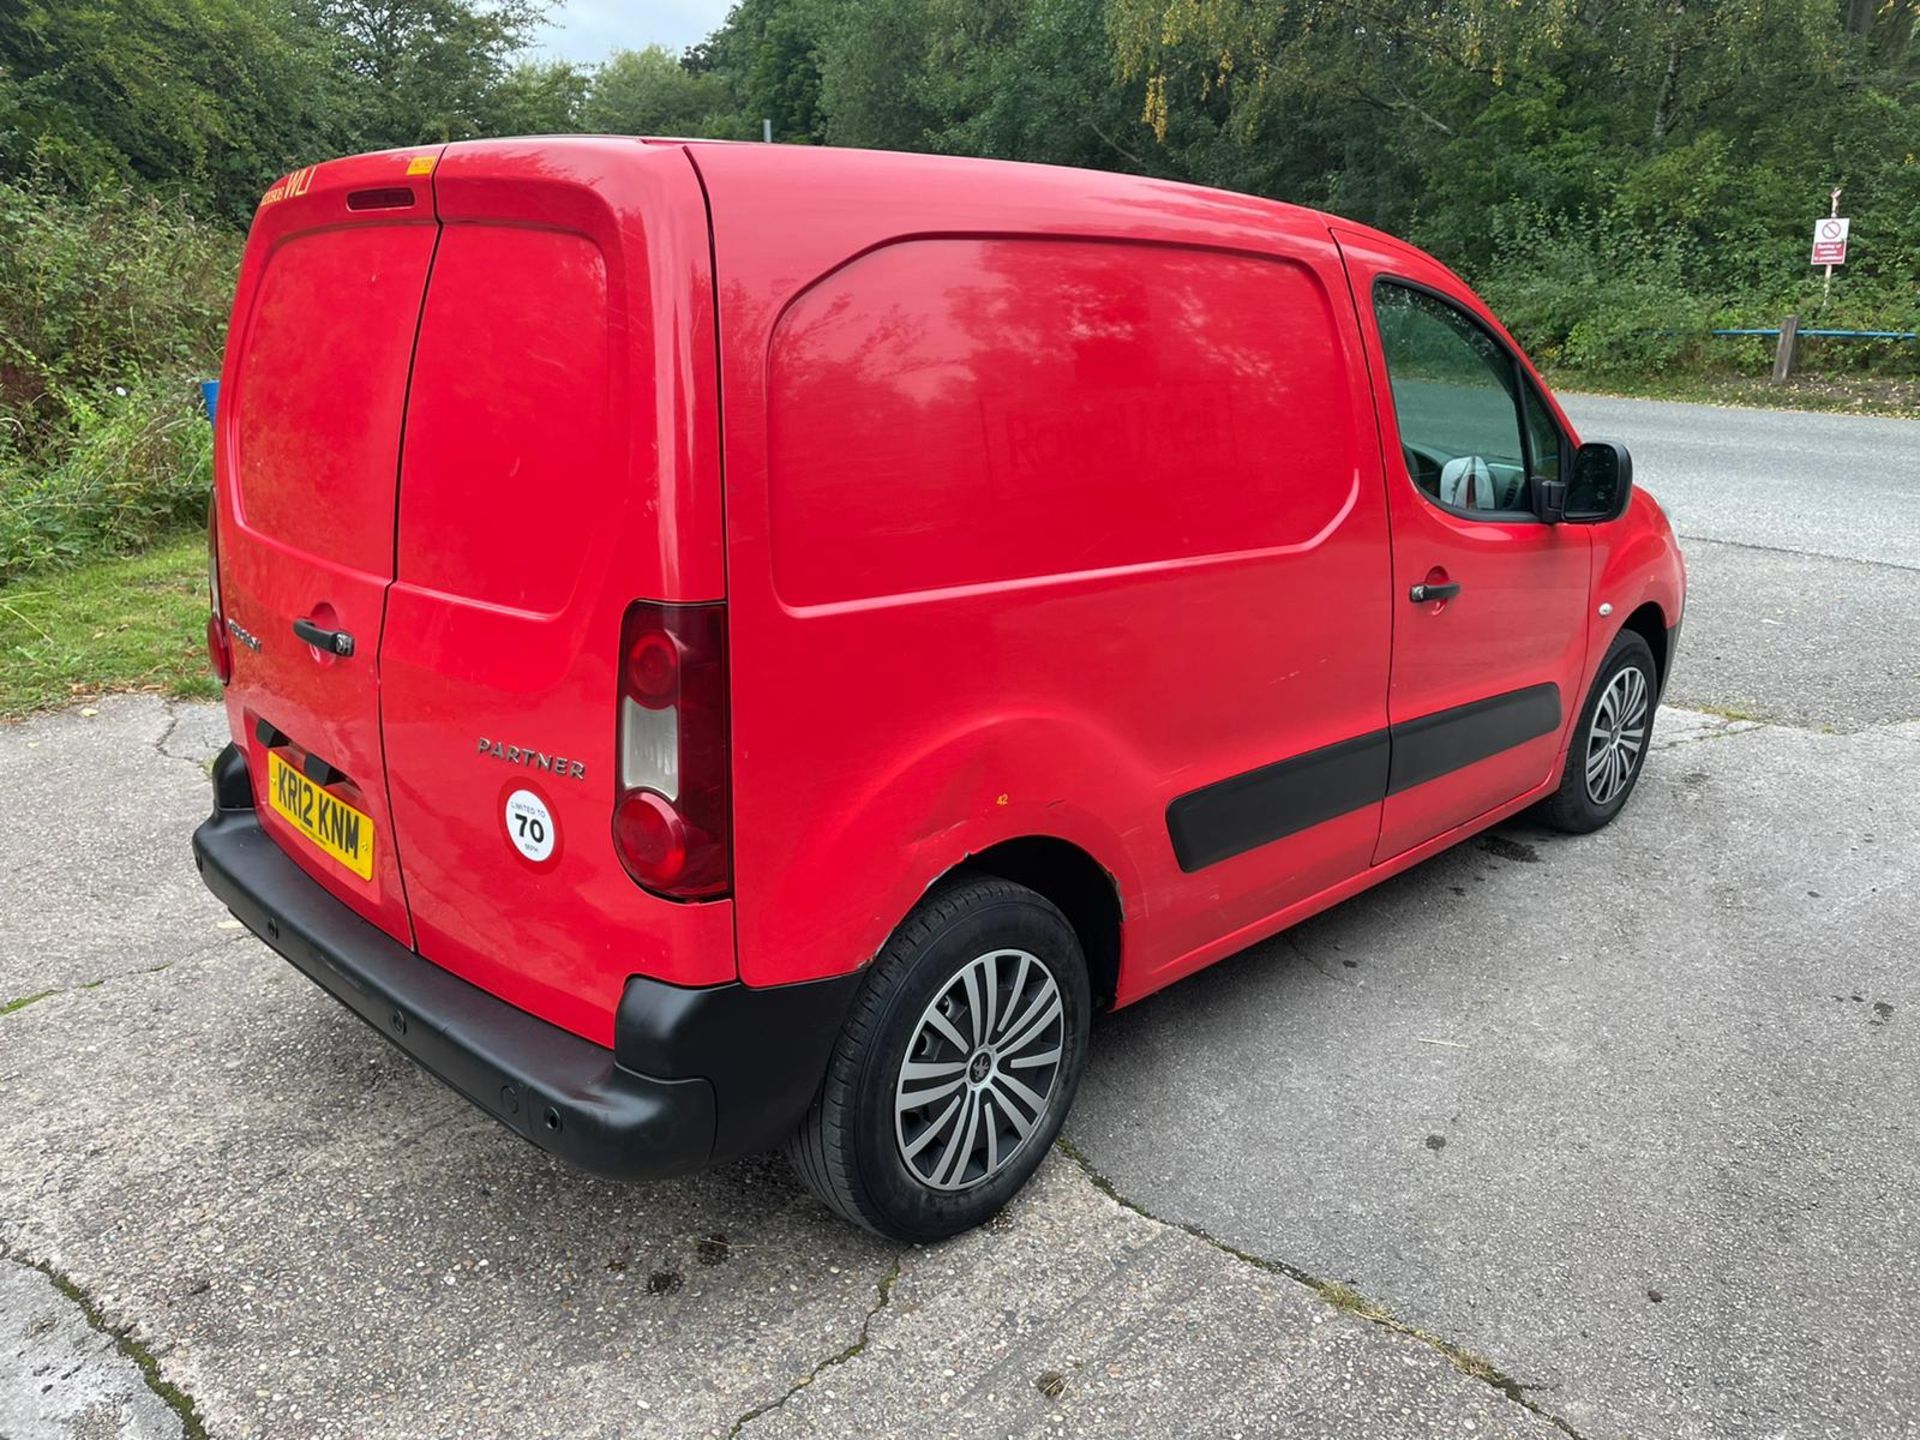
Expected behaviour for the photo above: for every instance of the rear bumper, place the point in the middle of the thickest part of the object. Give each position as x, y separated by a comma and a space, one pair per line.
696, 1075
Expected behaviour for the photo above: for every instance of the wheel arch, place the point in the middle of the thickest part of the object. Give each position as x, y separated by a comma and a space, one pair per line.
1649, 622
1085, 891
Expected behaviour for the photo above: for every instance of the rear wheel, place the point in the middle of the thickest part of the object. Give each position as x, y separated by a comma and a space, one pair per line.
1610, 746
955, 1069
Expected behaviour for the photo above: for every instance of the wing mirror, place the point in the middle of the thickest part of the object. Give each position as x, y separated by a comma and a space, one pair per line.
1600, 484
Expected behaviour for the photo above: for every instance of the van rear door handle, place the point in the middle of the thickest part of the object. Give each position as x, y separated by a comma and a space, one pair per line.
1421, 594
334, 642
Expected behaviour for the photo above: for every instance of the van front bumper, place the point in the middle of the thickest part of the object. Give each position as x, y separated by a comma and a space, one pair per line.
696, 1075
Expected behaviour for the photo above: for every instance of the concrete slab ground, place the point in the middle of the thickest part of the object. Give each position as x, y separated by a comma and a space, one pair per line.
1436, 1150
1548, 1137
1631, 1113
61, 1374
312, 1238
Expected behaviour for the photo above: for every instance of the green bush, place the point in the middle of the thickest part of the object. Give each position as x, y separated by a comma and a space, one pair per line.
110, 306
1600, 299
130, 468
1595, 297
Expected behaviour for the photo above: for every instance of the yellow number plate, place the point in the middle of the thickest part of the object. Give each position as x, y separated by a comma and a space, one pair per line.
336, 827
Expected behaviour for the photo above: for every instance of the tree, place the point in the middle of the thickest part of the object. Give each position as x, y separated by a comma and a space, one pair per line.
209, 98
767, 55
649, 92
540, 98
410, 72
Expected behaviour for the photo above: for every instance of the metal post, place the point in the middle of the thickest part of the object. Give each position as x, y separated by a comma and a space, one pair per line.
766, 136
1783, 352
1826, 287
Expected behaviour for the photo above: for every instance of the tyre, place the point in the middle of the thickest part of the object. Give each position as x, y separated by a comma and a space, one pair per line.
956, 1065
1610, 746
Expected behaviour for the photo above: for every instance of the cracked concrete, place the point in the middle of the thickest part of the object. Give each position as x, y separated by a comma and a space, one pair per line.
1691, 727
1147, 1329
885, 1294
1626, 1113
1547, 1137
1342, 1297
7, 1007
60, 1374
314, 1239
195, 733
111, 907
310, 1238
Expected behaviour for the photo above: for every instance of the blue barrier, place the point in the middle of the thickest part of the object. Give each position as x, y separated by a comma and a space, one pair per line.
1830, 334
209, 397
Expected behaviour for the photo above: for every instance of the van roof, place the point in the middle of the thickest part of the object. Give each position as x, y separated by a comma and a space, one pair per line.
990, 194
979, 178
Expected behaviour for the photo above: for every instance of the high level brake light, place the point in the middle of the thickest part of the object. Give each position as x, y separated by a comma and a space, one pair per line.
671, 815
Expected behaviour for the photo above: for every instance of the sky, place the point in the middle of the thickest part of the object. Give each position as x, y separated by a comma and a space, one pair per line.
587, 30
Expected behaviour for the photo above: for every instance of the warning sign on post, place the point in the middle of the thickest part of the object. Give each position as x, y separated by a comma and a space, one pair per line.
1830, 240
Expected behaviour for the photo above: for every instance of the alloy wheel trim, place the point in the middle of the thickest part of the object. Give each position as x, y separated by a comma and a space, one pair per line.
1617, 735
980, 1070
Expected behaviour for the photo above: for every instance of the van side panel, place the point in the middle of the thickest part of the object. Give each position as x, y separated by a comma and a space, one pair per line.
561, 460
1038, 407
1033, 532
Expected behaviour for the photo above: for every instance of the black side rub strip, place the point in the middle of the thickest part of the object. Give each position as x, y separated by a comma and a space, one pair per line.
1427, 748
1245, 811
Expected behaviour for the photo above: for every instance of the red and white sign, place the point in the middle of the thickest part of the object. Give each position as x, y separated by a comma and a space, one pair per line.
1830, 240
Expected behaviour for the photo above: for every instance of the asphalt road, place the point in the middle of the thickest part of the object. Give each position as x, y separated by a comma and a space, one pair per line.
1843, 486
1802, 537
1609, 1136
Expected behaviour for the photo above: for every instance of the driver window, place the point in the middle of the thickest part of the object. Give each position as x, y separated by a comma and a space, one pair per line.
1453, 394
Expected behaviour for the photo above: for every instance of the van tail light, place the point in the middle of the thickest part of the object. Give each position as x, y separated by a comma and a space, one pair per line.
219, 647
672, 811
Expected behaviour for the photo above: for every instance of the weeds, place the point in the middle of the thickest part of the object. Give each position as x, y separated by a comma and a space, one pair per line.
109, 307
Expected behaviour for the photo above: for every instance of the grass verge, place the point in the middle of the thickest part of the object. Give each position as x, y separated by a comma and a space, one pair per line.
136, 623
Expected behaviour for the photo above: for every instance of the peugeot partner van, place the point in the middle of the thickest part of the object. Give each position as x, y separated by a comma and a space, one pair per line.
735, 646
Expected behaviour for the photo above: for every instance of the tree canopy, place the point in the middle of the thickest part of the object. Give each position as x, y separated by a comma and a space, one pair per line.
1602, 160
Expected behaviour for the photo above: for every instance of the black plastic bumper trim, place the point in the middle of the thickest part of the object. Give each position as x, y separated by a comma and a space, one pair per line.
764, 1050
565, 1094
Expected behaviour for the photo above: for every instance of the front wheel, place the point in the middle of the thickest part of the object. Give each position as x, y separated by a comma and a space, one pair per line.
955, 1068
1610, 746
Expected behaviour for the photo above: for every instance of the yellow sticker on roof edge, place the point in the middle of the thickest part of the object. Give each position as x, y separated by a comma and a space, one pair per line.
290, 187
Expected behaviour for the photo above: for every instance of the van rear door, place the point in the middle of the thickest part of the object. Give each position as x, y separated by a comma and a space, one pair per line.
561, 462
309, 424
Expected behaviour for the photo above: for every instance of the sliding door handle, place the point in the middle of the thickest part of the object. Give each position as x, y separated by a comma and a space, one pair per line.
1421, 594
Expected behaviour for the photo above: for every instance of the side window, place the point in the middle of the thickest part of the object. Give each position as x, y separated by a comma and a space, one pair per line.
1455, 398
1543, 437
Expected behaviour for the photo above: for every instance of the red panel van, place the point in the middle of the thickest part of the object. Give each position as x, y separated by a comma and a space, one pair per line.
733, 646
